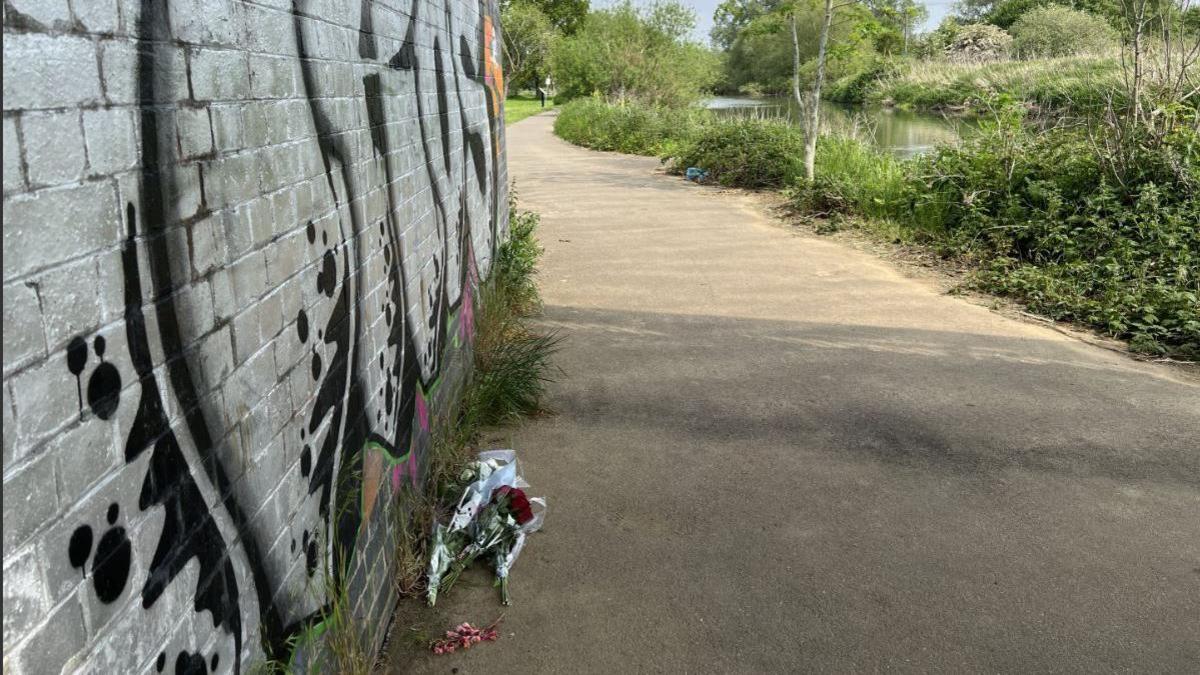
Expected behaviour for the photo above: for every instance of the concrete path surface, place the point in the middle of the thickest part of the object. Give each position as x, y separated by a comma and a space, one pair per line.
774, 453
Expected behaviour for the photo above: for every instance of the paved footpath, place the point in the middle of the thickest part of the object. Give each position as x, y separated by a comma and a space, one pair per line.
775, 453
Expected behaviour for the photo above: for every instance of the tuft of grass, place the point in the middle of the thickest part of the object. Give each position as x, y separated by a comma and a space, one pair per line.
512, 357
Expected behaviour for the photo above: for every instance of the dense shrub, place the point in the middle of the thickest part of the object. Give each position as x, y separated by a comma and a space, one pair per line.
979, 43
745, 153
1055, 30
627, 127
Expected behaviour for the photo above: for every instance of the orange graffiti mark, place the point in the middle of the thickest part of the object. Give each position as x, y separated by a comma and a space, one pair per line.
493, 73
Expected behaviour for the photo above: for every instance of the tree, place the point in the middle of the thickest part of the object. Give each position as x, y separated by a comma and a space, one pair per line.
630, 52
565, 15
528, 36
762, 57
733, 16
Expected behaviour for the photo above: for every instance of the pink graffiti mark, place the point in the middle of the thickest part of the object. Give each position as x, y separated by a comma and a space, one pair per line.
408, 468
466, 320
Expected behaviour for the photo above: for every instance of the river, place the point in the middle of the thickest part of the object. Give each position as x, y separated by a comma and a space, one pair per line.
901, 132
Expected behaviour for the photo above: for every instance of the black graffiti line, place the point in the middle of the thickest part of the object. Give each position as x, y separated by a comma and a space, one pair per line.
404, 367
153, 34
354, 433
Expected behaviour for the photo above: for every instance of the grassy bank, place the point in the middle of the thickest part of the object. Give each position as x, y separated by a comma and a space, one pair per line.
1076, 83
520, 106
1105, 236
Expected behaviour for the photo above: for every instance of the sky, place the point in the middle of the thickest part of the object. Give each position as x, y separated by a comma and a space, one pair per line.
705, 8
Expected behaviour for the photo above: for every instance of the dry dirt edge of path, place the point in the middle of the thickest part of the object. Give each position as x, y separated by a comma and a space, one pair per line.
775, 453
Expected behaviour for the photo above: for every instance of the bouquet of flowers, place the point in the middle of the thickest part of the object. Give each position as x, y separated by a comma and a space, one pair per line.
491, 521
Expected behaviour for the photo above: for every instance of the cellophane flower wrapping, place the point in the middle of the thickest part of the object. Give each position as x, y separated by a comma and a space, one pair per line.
491, 520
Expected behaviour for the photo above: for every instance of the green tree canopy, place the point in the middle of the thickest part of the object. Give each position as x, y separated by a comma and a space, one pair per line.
565, 15
760, 59
629, 52
528, 36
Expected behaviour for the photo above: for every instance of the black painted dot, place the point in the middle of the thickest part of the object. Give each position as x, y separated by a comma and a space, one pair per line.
77, 353
324, 238
215, 660
99, 344
113, 512
80, 546
293, 545
311, 231
310, 556
190, 664
327, 277
103, 388
316, 365
161, 662
302, 326
110, 569
305, 461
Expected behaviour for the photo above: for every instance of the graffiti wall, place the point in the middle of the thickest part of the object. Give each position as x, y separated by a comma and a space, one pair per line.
241, 244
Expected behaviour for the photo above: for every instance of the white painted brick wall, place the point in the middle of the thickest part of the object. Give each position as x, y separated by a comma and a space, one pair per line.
236, 242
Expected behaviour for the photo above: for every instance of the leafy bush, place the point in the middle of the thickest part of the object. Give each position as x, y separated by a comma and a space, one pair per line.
979, 43
627, 127
1066, 231
745, 153
1055, 30
1006, 12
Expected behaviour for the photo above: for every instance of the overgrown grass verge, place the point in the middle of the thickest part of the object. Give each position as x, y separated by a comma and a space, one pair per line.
631, 128
1068, 84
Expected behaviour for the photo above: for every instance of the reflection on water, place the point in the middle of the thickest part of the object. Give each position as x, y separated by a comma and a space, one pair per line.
903, 133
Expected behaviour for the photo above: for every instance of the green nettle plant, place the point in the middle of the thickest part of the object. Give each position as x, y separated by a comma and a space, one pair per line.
1054, 30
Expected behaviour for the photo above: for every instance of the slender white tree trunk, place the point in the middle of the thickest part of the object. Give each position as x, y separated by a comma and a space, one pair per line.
814, 104
796, 66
